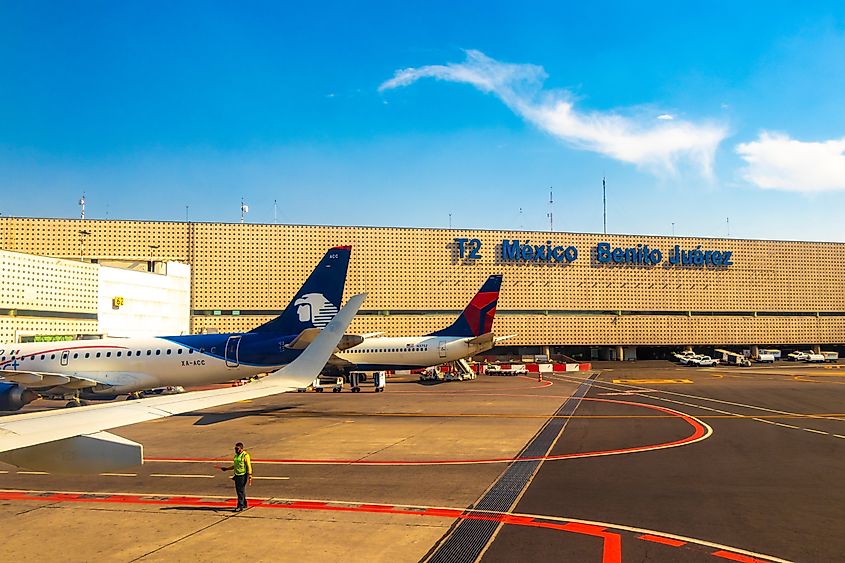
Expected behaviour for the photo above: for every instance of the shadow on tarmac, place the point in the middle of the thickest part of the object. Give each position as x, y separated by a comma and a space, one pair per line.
214, 418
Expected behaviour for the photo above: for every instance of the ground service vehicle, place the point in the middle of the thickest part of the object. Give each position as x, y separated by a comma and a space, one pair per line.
702, 361
734, 359
830, 356
771, 351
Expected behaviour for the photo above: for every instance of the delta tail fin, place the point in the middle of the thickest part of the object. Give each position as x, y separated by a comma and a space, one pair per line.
477, 318
318, 300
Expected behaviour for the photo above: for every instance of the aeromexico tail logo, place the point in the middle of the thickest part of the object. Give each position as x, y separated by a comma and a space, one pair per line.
315, 308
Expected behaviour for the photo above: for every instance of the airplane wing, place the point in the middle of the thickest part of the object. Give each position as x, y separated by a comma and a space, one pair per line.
498, 339
75, 441
34, 379
304, 338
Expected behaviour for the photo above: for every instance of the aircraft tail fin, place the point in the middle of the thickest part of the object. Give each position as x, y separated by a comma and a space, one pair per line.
477, 318
318, 300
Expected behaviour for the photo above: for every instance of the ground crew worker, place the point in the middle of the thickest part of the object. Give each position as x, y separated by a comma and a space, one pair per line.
242, 466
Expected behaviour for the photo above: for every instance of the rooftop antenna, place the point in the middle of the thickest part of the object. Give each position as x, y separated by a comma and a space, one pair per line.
604, 201
244, 209
82, 205
186, 213
450, 220
550, 214
275, 211
673, 228
521, 225
728, 221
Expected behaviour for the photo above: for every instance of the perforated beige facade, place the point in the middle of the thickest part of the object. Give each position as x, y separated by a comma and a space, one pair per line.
775, 292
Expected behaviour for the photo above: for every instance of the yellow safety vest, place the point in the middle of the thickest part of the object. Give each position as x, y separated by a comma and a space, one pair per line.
242, 464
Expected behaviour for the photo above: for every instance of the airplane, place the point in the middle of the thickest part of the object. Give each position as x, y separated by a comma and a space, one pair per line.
108, 367
76, 441
470, 334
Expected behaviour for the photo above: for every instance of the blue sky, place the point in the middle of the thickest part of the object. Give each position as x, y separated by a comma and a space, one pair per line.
401, 113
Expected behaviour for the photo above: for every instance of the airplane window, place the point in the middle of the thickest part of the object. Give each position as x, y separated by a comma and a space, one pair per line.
213, 349
119, 354
52, 356
158, 352
42, 356
32, 357
149, 352
3, 359
190, 350
138, 353
108, 354
87, 355
202, 350
169, 351
98, 354
179, 351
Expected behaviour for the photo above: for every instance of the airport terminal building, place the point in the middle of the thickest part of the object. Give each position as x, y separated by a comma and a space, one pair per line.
604, 295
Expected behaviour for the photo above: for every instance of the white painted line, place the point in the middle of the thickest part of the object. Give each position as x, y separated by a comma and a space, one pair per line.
184, 476
118, 474
786, 425
273, 478
3, 472
763, 420
814, 431
839, 436
32, 473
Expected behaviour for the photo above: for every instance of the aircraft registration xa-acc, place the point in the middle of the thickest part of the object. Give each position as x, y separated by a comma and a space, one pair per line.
105, 368
75, 441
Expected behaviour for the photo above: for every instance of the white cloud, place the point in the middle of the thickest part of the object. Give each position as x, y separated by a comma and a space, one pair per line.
636, 139
776, 161
666, 116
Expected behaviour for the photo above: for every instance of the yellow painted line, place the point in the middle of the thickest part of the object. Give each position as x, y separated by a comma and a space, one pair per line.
651, 381
183, 476
118, 474
273, 478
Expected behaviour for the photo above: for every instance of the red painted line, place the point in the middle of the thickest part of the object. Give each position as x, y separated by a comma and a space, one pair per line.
612, 541
662, 540
736, 557
376, 508
698, 431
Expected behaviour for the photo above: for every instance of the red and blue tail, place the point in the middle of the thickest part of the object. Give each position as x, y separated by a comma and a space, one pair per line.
477, 318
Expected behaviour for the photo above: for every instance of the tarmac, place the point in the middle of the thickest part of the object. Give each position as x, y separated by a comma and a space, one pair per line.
641, 461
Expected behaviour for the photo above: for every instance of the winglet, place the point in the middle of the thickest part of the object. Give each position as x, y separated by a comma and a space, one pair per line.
308, 365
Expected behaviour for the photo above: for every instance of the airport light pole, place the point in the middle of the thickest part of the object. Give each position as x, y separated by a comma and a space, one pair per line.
151, 247
82, 236
604, 202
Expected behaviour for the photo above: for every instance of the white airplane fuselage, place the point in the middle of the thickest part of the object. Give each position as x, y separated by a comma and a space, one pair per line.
384, 353
120, 365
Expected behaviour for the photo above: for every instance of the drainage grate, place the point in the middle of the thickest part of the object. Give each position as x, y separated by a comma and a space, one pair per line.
468, 537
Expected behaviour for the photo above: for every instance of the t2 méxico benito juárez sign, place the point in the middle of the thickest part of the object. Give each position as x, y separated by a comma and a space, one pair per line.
603, 253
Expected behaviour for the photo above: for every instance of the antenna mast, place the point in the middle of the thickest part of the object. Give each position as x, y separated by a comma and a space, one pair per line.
275, 212
82, 205
244, 209
551, 210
